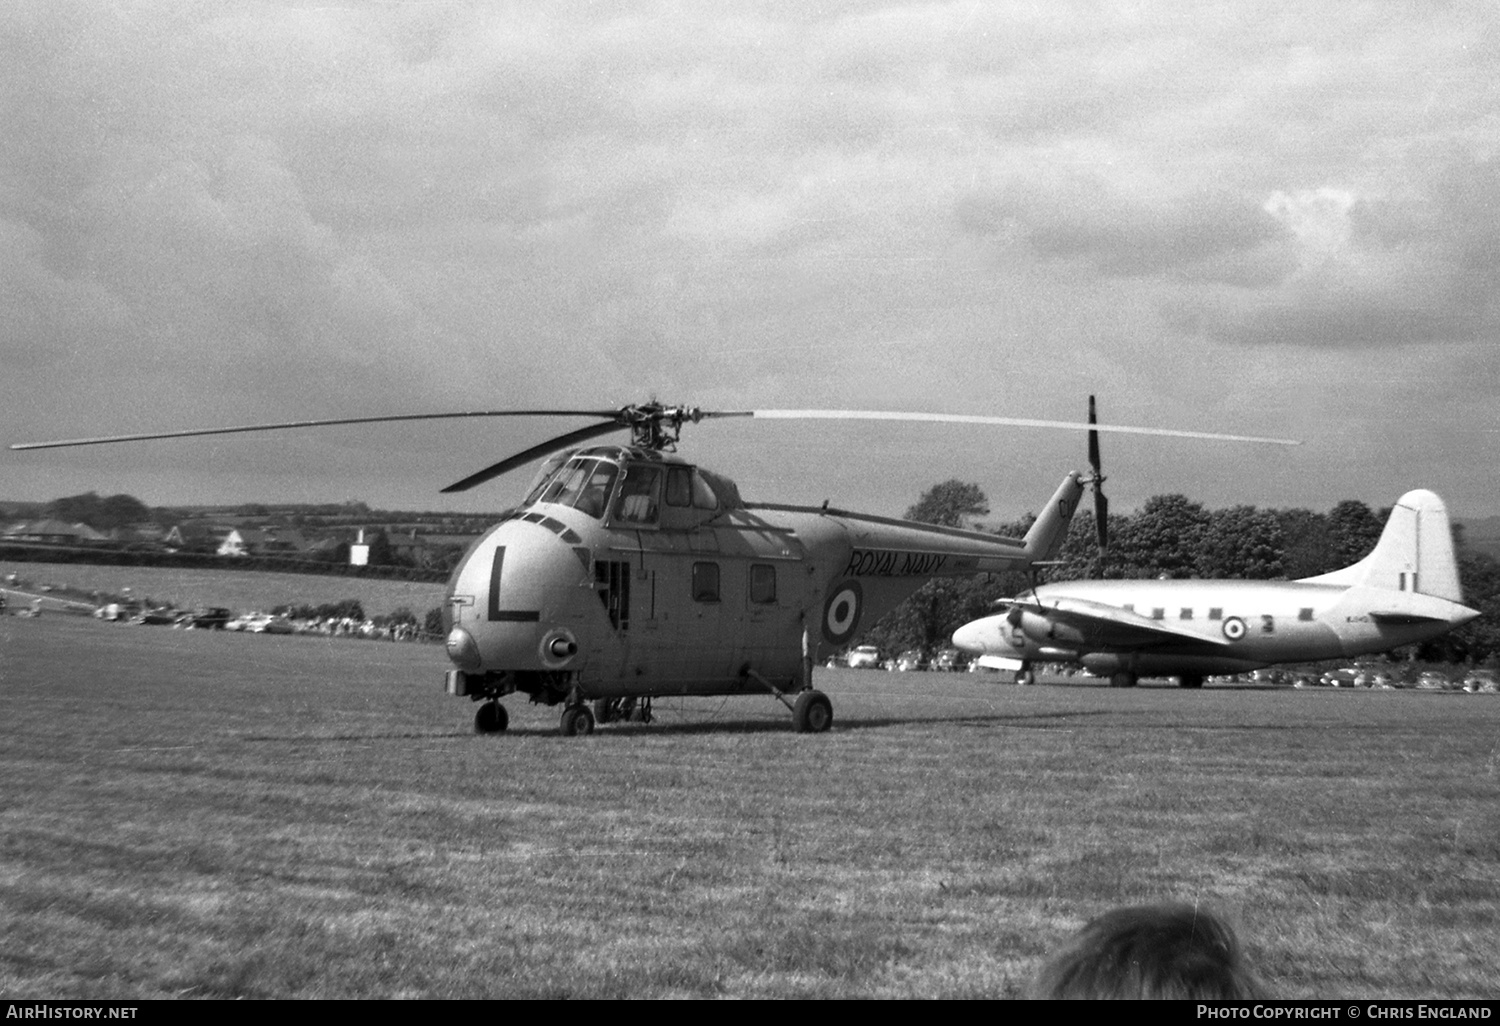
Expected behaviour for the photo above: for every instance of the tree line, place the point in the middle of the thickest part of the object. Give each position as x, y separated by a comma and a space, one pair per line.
1173, 536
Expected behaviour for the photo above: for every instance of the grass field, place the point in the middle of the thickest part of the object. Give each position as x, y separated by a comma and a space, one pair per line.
240, 590
202, 814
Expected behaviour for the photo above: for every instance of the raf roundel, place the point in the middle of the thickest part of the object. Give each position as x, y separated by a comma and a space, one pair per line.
841, 612
1234, 628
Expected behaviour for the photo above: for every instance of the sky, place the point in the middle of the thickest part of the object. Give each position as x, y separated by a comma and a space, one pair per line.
1244, 217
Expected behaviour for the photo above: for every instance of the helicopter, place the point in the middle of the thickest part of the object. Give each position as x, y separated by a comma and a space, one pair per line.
629, 573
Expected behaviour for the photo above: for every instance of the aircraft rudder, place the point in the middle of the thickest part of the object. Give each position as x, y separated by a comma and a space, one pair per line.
1414, 552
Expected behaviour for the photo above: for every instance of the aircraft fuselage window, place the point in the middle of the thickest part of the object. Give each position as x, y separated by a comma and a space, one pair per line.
705, 582
762, 584
1187, 614
640, 495
1268, 625
1305, 613
1216, 613
1158, 613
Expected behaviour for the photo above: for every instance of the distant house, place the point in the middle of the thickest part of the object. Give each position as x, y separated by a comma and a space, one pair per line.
195, 536
52, 532
270, 541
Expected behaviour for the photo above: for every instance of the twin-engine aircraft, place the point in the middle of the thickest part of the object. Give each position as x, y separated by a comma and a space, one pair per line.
1405, 591
629, 573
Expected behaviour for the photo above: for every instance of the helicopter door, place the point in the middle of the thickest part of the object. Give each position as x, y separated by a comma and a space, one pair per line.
772, 636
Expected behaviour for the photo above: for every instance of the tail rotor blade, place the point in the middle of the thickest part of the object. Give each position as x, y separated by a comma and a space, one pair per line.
1101, 520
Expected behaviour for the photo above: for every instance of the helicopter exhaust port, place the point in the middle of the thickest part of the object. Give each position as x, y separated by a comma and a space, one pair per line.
557, 647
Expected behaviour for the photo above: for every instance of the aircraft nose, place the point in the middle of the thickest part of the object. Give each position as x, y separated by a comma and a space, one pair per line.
970, 637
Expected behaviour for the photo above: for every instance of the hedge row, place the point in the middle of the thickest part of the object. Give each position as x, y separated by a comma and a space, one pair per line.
43, 553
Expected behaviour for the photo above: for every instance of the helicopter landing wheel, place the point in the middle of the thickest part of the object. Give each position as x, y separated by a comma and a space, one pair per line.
576, 719
1122, 679
1190, 680
491, 718
606, 710
813, 713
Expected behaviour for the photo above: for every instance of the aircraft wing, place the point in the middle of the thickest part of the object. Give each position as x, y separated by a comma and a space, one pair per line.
1102, 626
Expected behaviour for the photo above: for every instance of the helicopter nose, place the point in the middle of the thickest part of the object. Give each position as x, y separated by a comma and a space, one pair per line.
971, 636
463, 650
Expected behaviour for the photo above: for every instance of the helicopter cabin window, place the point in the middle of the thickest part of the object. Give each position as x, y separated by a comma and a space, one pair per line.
1268, 625
705, 582
640, 494
1305, 613
762, 584
1216, 613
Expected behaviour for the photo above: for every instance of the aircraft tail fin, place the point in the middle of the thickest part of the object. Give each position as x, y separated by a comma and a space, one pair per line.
1414, 553
1045, 539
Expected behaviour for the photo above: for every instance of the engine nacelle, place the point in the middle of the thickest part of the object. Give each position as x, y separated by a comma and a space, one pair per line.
1044, 631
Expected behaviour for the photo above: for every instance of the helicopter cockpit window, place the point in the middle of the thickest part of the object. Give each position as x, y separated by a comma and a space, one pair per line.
582, 483
568, 483
544, 479
703, 495
686, 487
639, 495
679, 486
595, 495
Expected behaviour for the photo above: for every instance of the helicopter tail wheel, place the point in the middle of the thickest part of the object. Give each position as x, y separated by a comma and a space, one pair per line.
491, 718
576, 719
813, 713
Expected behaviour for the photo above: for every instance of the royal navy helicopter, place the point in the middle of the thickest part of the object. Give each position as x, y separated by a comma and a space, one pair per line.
629, 573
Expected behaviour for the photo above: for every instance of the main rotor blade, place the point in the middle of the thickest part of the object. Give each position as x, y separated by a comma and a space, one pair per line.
952, 418
286, 425
510, 463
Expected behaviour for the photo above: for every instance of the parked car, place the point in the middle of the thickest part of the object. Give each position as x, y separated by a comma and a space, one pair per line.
863, 657
267, 624
210, 618
156, 617
911, 659
1481, 681
950, 660
1432, 680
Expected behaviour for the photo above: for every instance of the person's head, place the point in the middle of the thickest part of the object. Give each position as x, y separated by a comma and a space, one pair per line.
1149, 951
